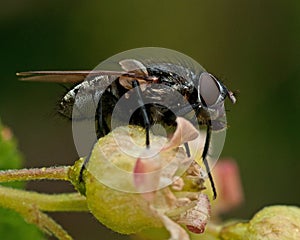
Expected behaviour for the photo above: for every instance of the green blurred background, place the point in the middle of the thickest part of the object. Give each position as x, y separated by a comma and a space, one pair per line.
253, 46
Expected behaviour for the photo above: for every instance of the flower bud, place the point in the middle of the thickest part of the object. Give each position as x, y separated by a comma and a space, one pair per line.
123, 194
271, 223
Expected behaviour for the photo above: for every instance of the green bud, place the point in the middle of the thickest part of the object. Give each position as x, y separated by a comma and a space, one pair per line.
271, 223
120, 211
125, 209
276, 223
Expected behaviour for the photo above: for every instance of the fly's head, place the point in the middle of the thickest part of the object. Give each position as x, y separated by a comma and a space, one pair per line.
210, 95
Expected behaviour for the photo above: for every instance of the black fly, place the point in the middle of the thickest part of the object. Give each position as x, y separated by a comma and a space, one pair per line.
202, 90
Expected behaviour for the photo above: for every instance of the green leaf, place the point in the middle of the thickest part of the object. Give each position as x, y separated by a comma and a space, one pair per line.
12, 225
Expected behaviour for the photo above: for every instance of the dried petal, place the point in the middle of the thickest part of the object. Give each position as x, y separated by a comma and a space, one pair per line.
177, 184
196, 218
177, 232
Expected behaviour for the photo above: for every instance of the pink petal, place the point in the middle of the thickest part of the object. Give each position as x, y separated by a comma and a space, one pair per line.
229, 185
184, 132
146, 177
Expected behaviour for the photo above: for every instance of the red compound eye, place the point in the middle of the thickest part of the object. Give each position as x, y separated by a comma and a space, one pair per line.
208, 89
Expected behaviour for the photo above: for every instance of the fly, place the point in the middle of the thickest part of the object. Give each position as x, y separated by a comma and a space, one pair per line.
204, 93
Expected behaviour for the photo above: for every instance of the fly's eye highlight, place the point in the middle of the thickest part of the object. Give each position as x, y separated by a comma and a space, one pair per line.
208, 89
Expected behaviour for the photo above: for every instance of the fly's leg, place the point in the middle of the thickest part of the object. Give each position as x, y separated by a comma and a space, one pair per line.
101, 128
86, 160
204, 155
100, 124
136, 85
187, 149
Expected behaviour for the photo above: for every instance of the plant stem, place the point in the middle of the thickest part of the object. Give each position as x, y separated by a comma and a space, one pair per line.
51, 173
32, 214
31, 204
213, 229
42, 201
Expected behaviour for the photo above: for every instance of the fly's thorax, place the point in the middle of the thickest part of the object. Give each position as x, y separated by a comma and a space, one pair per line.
177, 77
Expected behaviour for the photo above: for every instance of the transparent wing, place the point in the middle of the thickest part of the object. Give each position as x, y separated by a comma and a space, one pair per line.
63, 76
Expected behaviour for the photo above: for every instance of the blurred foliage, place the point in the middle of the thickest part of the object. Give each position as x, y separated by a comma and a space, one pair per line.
10, 157
252, 45
12, 225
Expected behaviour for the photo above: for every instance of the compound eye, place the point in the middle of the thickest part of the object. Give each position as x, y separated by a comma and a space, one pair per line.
208, 89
